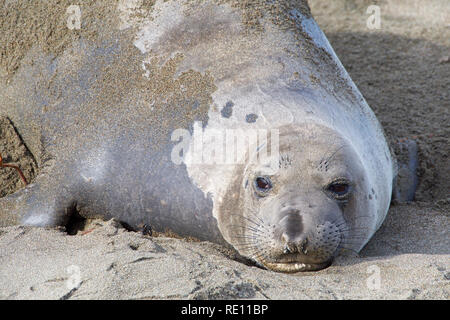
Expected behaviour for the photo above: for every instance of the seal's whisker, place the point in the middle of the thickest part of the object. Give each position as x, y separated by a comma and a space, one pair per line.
342, 221
261, 225
250, 228
247, 228
253, 248
347, 249
244, 237
354, 229
252, 239
244, 246
344, 228
250, 220
334, 153
258, 218
250, 249
251, 234
353, 239
259, 256
249, 242
253, 251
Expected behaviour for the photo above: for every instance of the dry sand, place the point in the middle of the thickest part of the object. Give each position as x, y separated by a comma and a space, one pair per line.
403, 71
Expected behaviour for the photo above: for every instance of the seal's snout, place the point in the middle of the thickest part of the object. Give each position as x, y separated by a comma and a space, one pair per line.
292, 238
301, 241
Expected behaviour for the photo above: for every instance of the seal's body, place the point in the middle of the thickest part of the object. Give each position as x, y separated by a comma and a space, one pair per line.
108, 121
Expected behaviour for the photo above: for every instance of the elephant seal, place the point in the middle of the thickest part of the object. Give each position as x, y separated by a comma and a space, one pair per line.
129, 119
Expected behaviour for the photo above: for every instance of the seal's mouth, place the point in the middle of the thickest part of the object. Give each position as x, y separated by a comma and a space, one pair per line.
291, 267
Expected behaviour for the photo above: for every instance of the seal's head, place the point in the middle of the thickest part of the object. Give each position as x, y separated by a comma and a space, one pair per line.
302, 214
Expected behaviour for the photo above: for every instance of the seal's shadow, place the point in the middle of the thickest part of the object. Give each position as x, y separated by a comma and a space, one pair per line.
404, 82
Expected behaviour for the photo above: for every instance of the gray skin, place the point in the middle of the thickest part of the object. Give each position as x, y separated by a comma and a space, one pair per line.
99, 118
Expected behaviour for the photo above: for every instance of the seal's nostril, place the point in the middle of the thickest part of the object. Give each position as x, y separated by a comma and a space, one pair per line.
290, 247
286, 250
303, 245
294, 245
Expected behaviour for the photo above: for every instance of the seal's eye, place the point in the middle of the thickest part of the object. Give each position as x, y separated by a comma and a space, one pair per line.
263, 184
339, 189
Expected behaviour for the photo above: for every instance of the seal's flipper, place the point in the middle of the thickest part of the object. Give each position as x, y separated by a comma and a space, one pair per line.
405, 184
39, 204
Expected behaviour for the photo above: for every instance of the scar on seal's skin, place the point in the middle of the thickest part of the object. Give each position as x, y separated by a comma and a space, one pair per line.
251, 118
7, 165
227, 111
